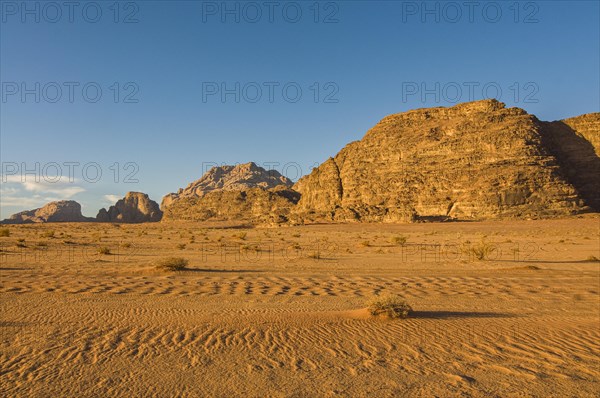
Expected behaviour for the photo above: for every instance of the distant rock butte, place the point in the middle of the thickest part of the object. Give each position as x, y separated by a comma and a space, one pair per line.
229, 178
61, 211
135, 207
476, 160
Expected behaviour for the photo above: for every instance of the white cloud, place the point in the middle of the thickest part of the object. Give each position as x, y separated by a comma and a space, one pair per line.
23, 202
27, 194
112, 199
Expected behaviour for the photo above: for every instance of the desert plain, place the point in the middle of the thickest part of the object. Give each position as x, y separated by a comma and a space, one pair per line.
500, 309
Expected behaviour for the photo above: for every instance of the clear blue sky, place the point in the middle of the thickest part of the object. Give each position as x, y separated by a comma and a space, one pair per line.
367, 61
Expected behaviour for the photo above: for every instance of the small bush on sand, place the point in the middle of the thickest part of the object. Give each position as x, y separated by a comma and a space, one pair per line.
103, 250
481, 251
398, 240
181, 246
592, 259
315, 255
391, 305
48, 234
172, 264
4, 232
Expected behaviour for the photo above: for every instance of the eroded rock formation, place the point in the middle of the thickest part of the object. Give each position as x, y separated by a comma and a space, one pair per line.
135, 207
60, 211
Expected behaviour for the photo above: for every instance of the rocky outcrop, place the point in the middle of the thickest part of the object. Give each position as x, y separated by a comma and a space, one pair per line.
588, 127
253, 205
229, 178
575, 143
135, 207
476, 160
61, 211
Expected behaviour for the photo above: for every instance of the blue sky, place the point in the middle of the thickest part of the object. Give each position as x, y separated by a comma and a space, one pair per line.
162, 68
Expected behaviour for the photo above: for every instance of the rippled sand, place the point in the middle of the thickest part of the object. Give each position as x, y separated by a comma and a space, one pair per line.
280, 312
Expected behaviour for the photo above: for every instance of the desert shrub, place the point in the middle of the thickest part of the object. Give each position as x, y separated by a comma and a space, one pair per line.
42, 244
315, 255
399, 240
296, 235
48, 234
21, 244
103, 250
126, 244
172, 264
481, 251
21, 240
365, 243
241, 235
181, 246
391, 305
592, 259
4, 232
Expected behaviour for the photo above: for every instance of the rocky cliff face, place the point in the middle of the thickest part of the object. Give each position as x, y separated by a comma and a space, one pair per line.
252, 205
135, 207
61, 211
588, 127
229, 178
476, 160
575, 143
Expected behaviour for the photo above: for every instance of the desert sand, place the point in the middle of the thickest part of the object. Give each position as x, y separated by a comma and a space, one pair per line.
280, 312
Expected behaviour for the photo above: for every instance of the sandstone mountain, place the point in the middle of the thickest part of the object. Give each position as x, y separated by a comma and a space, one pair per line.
475, 160
251, 205
61, 211
245, 192
135, 207
575, 143
229, 178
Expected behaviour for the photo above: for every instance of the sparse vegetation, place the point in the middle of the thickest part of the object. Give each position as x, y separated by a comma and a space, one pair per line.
172, 264
393, 306
315, 255
398, 240
592, 259
103, 250
481, 251
365, 243
4, 232
48, 234
126, 245
241, 235
181, 246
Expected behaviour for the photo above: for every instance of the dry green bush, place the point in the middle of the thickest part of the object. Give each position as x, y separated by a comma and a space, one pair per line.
481, 251
393, 306
172, 264
4, 232
103, 250
398, 240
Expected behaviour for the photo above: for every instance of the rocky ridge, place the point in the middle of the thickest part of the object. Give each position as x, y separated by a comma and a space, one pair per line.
59, 211
135, 207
